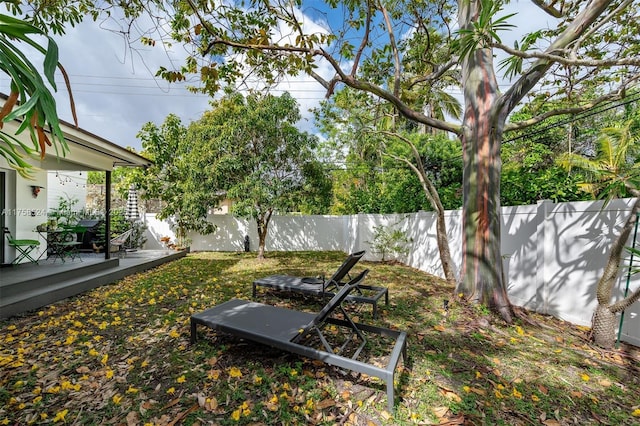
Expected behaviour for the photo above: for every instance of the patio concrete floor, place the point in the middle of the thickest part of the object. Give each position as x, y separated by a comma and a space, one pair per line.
26, 287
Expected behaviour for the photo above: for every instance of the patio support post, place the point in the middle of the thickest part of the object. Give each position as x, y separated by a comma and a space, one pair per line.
107, 215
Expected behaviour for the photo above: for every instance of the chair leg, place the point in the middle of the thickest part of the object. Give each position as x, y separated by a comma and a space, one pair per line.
390, 395
21, 255
74, 252
57, 253
194, 335
24, 253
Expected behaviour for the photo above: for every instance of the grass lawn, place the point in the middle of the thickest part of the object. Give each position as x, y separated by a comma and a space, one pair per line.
121, 355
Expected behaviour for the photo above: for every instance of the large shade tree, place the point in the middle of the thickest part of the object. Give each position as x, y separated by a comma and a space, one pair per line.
186, 198
250, 150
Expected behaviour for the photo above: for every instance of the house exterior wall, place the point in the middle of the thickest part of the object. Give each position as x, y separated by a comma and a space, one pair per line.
68, 185
22, 211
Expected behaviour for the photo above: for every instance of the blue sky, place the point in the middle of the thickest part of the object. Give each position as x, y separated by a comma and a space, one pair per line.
116, 93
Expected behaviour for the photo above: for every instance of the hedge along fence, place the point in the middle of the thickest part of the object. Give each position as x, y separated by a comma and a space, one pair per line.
553, 254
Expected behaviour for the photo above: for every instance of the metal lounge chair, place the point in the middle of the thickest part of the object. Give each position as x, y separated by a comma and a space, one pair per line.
293, 331
117, 243
326, 288
23, 247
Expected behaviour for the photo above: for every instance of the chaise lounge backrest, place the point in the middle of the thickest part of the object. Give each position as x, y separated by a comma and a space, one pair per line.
344, 269
335, 302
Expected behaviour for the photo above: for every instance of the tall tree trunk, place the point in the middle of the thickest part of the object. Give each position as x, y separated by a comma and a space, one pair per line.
441, 228
482, 274
433, 197
443, 248
481, 133
604, 321
261, 243
441, 225
262, 237
263, 226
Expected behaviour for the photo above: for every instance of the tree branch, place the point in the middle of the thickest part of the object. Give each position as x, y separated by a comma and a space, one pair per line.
530, 78
430, 190
401, 106
626, 302
439, 72
414, 151
549, 9
564, 60
365, 40
340, 77
394, 49
606, 19
564, 111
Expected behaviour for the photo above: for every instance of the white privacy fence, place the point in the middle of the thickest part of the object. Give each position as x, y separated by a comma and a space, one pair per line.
553, 254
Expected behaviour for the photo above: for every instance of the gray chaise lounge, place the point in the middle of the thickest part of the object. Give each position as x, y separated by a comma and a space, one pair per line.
327, 288
292, 331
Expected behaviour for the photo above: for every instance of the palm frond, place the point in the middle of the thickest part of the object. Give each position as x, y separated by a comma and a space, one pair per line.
36, 106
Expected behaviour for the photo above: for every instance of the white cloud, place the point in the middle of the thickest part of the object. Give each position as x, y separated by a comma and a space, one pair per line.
114, 89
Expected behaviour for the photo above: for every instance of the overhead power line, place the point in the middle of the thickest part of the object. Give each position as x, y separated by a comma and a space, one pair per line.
606, 106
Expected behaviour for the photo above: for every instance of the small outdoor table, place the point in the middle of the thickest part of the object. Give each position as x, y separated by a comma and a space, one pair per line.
62, 244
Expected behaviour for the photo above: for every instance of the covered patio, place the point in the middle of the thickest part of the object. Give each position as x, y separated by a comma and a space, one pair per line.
31, 281
24, 207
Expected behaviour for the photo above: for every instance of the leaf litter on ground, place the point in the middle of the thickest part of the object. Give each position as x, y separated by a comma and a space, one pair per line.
120, 354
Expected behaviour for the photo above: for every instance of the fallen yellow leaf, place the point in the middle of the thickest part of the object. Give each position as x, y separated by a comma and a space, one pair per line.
451, 395
478, 391
211, 404
325, 403
440, 412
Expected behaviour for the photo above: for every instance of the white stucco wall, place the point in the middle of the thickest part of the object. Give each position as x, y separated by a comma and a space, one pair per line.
22, 211
68, 185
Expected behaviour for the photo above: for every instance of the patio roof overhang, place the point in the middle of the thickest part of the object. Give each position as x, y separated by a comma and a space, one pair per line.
87, 151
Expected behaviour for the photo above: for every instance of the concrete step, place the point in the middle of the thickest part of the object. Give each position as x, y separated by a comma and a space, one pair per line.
52, 277
27, 296
21, 297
